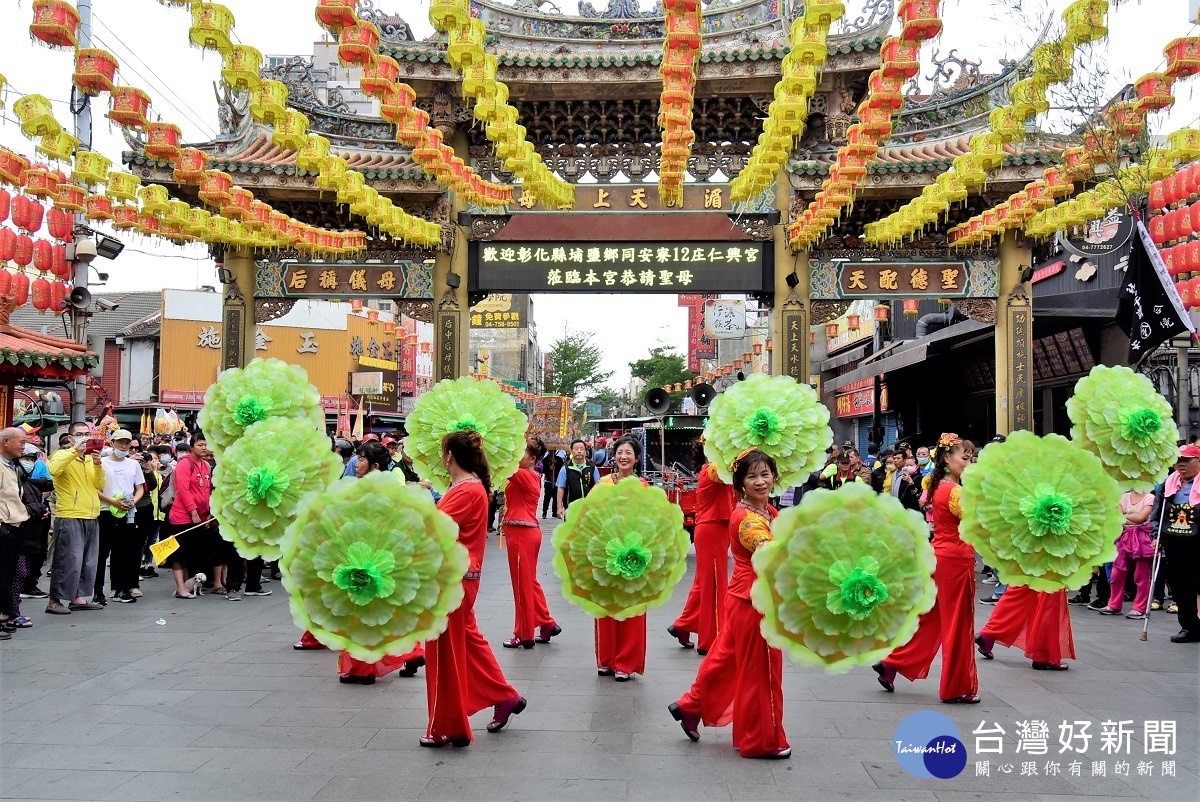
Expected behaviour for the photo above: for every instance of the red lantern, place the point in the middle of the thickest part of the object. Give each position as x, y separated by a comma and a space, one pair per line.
1157, 232
240, 201
98, 207
831, 330
1153, 91
41, 294
40, 182
1183, 58
20, 288
128, 107
54, 23
27, 214
43, 255
12, 168
334, 15
911, 306
882, 313
1185, 293
356, 305
6, 279
920, 18
853, 322
95, 70
215, 188
1194, 286
162, 141
58, 223
1158, 199
58, 296
5, 204
70, 197
359, 43
8, 244
190, 166
23, 254
60, 266
900, 58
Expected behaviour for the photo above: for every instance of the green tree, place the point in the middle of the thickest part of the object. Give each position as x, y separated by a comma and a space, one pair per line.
574, 365
612, 403
662, 368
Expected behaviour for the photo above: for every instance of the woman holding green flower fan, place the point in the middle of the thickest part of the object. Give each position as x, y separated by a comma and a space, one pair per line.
741, 679
621, 645
950, 625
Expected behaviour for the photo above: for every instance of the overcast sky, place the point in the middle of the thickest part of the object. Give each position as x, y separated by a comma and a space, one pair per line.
180, 81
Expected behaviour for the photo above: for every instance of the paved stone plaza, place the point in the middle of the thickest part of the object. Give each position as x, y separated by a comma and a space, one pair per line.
215, 704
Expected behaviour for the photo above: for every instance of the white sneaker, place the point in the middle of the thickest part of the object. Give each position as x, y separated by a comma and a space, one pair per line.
136, 593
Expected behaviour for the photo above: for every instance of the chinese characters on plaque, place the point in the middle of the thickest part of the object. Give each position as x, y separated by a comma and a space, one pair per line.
496, 320
880, 279
398, 279
1020, 335
621, 267
634, 198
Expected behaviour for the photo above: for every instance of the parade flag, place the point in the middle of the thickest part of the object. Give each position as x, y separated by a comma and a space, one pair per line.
1149, 309
358, 420
163, 549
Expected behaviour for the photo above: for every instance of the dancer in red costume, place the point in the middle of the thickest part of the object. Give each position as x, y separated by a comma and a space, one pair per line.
523, 538
705, 603
741, 680
375, 457
462, 676
621, 645
950, 625
1035, 621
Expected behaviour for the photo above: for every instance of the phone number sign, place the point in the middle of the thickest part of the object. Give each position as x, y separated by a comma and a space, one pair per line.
622, 267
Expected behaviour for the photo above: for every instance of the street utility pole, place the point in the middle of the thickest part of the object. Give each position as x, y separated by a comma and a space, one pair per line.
81, 110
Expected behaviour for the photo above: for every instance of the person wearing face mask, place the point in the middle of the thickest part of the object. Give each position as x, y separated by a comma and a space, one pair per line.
36, 471
124, 487
31, 536
164, 468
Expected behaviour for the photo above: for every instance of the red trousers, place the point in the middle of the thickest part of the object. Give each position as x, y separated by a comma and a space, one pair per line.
462, 676
309, 642
949, 626
741, 680
524, 543
706, 601
1034, 621
357, 668
621, 645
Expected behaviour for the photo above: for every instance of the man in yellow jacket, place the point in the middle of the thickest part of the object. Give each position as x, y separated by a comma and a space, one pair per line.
78, 479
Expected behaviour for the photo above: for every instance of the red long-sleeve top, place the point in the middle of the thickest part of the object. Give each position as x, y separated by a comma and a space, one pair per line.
521, 496
193, 488
714, 498
467, 503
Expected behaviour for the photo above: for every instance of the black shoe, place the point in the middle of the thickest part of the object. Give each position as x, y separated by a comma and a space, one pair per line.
148, 573
100, 600
1079, 598
35, 593
410, 667
350, 679
702, 652
124, 597
1097, 605
887, 677
1186, 636
993, 599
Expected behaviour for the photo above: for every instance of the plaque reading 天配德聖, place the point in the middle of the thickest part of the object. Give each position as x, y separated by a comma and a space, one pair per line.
968, 278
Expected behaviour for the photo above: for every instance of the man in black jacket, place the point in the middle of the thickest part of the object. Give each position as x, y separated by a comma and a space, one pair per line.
1179, 538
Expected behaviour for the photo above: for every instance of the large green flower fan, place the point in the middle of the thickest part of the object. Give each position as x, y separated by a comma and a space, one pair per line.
621, 549
776, 415
265, 388
372, 566
845, 579
1041, 510
461, 404
1118, 415
261, 478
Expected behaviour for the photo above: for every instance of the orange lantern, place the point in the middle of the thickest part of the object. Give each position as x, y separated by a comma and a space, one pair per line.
911, 306
1153, 91
95, 70
162, 141
238, 205
372, 315
882, 313
70, 197
831, 330
98, 207
379, 75
259, 218
190, 166
359, 43
40, 182
55, 23
12, 168
356, 305
1183, 57
215, 188
334, 15
853, 322
128, 106
125, 218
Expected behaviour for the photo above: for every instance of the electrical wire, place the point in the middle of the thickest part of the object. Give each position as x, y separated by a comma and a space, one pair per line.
187, 111
169, 255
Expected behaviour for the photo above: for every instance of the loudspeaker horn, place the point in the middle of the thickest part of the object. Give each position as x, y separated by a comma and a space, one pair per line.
80, 298
703, 394
658, 401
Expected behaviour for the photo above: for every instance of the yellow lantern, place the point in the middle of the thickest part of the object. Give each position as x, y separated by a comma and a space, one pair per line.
1052, 61
269, 101
197, 223
1184, 145
291, 130
177, 212
36, 115
220, 229
90, 168
311, 156
352, 187
241, 67
123, 186
988, 150
333, 173
1086, 21
155, 200
58, 145
211, 23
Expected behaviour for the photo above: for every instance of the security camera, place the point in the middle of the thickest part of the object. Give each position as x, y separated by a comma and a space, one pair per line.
103, 277
83, 250
106, 305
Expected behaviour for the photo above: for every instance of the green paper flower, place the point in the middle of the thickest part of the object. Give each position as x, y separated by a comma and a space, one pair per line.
264, 389
261, 478
1117, 415
845, 579
1040, 510
621, 550
459, 405
372, 566
365, 574
773, 413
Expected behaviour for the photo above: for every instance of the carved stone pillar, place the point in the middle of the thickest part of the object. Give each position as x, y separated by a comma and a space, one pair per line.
1014, 340
789, 320
237, 310
452, 309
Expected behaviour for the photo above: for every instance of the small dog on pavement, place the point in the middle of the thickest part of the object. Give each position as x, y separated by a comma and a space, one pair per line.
195, 585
